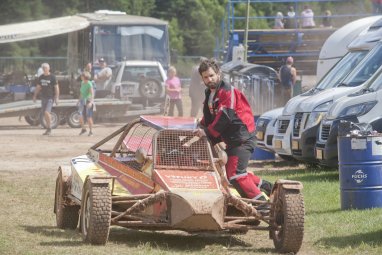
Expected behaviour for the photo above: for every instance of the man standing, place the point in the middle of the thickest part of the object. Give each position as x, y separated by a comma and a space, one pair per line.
50, 92
196, 91
103, 77
287, 76
228, 117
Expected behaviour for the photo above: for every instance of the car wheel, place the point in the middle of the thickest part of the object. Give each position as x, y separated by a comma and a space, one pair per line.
96, 213
33, 119
66, 215
73, 119
54, 120
150, 89
288, 224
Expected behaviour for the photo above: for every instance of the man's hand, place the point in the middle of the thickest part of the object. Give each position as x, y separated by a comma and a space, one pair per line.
199, 132
56, 100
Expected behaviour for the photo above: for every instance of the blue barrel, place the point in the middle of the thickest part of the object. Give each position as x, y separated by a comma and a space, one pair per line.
360, 171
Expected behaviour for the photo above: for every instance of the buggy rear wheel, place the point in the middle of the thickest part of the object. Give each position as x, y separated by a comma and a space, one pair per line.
288, 226
96, 213
66, 215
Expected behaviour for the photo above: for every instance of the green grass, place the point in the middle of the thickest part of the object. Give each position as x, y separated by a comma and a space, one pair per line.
28, 223
329, 229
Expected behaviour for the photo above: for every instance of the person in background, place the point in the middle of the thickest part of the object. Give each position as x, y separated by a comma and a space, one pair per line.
103, 77
50, 93
307, 16
228, 118
196, 91
290, 19
174, 91
327, 19
86, 103
287, 76
279, 21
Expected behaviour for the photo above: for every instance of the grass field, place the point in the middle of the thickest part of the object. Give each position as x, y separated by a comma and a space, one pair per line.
28, 223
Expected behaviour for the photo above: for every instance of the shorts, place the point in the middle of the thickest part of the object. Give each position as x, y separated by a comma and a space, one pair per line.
46, 104
83, 110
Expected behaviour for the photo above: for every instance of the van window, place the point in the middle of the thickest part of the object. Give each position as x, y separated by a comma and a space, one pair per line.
366, 68
341, 70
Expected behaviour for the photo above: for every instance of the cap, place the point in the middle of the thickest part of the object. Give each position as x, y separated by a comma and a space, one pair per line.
101, 60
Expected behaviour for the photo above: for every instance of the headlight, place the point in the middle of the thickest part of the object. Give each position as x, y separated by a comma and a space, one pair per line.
357, 110
317, 114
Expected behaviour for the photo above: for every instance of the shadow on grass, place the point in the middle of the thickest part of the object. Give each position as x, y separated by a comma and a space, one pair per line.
177, 240
73, 236
372, 238
164, 240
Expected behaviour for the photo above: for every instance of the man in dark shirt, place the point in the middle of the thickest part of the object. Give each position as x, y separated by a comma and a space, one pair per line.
48, 86
227, 117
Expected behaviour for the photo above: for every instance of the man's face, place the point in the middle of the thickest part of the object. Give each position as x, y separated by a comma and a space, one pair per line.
210, 78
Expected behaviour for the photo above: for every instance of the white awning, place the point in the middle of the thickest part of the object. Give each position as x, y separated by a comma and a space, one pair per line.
41, 28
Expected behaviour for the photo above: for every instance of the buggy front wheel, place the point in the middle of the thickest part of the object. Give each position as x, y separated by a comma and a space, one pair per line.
66, 214
287, 227
95, 212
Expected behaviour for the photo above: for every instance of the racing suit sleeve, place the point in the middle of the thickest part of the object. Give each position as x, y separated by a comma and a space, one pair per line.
224, 114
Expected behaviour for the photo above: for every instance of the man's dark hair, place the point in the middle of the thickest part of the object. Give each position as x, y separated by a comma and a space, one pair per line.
207, 63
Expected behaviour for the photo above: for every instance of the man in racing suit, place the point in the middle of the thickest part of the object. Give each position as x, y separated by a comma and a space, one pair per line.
227, 117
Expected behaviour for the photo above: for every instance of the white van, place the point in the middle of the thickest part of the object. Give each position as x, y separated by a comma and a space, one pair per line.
311, 111
363, 106
333, 49
297, 127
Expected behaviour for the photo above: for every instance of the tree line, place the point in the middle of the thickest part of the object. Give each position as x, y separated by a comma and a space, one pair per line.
194, 25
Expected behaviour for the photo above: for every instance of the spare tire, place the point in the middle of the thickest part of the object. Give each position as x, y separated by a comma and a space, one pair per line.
150, 88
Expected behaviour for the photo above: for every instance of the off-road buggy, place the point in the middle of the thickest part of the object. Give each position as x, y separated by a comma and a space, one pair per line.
154, 174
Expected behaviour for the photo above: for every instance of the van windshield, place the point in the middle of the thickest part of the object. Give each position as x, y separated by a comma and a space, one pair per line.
365, 69
341, 69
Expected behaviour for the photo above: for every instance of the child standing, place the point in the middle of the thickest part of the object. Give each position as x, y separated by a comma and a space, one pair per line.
174, 89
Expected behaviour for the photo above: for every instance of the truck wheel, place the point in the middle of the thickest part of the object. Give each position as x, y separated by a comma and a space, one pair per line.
54, 120
96, 213
150, 89
288, 226
66, 215
33, 119
73, 119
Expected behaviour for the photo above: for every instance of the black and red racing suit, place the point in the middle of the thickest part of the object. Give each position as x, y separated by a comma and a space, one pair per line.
229, 118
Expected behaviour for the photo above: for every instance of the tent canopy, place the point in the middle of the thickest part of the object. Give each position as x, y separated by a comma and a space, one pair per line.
41, 28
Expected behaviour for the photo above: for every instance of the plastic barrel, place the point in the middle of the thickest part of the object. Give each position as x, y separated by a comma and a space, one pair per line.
360, 171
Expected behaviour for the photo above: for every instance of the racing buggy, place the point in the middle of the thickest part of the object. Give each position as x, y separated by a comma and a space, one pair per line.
155, 174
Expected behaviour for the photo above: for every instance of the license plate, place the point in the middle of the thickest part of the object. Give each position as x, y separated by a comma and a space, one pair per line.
260, 135
319, 154
295, 145
278, 144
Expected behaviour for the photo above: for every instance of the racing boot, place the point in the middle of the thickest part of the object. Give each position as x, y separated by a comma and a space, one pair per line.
266, 187
263, 208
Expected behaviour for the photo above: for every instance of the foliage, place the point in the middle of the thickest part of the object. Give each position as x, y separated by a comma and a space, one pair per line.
194, 24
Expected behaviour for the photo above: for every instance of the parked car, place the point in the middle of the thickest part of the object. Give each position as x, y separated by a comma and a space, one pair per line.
140, 81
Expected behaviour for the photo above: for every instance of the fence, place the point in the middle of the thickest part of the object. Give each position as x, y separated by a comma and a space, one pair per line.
21, 66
